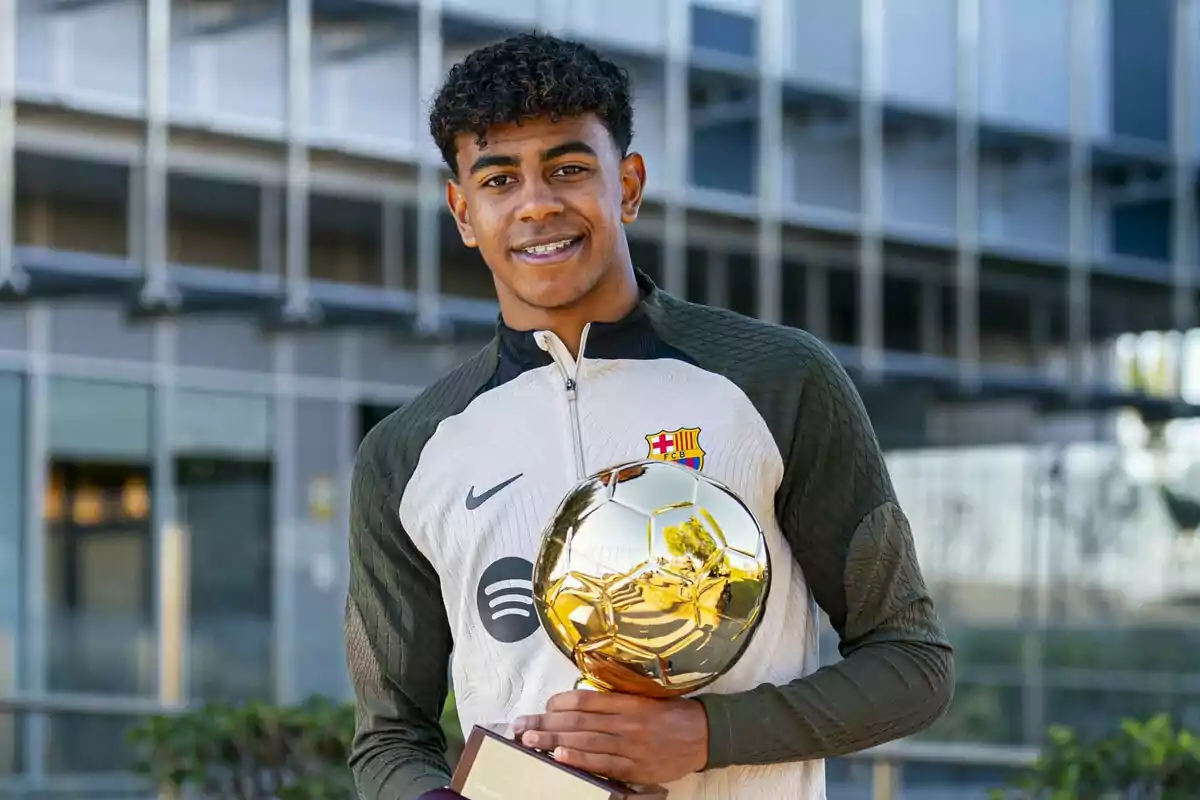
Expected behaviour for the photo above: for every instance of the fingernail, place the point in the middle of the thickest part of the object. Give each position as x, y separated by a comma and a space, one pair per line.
531, 739
560, 753
521, 724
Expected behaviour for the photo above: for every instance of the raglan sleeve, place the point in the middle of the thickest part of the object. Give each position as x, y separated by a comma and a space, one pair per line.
398, 639
852, 541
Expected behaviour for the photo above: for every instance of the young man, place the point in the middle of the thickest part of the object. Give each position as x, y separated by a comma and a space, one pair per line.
590, 363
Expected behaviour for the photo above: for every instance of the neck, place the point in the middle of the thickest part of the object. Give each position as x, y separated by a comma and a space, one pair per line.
611, 300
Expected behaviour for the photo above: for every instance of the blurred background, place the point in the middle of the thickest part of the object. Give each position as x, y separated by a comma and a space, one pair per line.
224, 256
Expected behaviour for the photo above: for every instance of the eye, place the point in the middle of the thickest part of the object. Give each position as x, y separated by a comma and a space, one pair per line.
570, 169
497, 181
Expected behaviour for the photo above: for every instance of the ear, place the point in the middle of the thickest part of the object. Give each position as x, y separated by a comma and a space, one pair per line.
457, 200
633, 186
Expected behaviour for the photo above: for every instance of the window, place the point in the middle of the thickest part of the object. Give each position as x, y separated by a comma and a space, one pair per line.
221, 443
101, 632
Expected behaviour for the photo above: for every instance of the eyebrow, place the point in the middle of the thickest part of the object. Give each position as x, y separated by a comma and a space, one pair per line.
558, 151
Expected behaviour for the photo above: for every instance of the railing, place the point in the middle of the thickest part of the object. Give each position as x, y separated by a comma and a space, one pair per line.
876, 774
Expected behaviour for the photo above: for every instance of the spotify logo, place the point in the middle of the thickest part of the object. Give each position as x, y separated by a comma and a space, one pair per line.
505, 600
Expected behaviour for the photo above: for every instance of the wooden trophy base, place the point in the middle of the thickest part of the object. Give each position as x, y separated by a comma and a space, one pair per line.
494, 767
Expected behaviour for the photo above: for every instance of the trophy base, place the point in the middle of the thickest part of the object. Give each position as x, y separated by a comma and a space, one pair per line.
493, 767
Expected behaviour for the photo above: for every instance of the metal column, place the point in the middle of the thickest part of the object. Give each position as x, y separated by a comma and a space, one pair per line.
677, 147
1183, 137
157, 289
298, 306
871, 165
35, 671
967, 194
772, 43
171, 546
1083, 19
148, 229
430, 194
9, 274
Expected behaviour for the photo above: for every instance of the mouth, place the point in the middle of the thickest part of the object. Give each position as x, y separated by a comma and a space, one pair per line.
549, 251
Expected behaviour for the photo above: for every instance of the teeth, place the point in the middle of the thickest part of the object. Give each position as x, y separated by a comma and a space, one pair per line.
546, 249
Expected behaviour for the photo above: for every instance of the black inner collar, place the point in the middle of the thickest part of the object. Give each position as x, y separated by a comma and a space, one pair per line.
632, 336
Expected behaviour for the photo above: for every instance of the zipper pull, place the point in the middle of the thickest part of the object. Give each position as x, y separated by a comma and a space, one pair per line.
570, 384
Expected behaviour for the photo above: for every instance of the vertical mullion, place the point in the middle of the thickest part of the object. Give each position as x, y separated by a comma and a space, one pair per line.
1183, 223
10, 273
967, 194
677, 146
772, 17
1083, 16
299, 79
871, 176
153, 210
429, 194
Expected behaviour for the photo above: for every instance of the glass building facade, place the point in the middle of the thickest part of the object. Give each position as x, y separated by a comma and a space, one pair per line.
223, 256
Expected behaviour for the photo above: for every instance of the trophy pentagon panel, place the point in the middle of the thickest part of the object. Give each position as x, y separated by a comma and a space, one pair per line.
651, 578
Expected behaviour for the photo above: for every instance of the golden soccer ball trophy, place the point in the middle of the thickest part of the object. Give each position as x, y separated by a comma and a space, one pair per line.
652, 579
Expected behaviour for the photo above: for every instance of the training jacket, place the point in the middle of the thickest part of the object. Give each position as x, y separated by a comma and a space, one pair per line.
451, 493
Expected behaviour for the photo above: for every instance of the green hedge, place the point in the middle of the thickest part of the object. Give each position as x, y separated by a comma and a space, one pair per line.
257, 751
1149, 760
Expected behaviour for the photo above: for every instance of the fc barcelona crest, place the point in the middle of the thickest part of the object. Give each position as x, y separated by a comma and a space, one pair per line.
681, 446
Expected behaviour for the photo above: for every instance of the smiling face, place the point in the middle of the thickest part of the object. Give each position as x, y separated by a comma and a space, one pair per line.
545, 202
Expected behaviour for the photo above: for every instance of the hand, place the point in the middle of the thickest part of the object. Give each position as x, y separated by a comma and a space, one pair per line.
629, 738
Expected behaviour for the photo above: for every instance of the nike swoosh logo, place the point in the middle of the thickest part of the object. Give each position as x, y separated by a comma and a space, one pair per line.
474, 501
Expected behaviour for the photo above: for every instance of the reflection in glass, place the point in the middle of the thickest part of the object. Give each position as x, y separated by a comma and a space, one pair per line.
12, 756
981, 712
99, 578
225, 506
89, 744
1095, 712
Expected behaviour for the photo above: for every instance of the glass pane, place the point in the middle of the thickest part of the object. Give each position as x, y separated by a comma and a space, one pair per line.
12, 454
848, 779
101, 631
225, 507
1098, 712
88, 743
218, 423
981, 712
316, 575
11, 754
1145, 650
99, 420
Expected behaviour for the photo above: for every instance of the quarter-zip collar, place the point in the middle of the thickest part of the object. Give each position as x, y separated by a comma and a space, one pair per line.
632, 336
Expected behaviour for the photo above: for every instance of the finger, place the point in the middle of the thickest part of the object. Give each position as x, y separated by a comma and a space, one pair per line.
576, 722
596, 702
584, 742
608, 766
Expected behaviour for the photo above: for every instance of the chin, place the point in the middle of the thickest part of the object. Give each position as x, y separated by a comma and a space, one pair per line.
564, 295
561, 287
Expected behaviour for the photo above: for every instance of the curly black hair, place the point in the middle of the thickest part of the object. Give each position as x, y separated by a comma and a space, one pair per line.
524, 77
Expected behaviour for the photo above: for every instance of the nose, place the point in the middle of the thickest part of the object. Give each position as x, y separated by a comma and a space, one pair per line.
538, 201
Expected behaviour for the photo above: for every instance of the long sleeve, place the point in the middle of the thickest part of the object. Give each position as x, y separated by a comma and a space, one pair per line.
839, 514
398, 640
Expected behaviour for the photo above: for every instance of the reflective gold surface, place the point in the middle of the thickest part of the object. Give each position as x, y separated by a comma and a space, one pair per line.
651, 578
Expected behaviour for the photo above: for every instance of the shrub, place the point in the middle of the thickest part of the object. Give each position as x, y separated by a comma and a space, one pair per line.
1142, 761
257, 751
